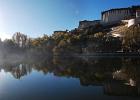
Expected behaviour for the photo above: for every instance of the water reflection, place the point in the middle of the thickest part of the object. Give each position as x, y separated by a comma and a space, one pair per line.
118, 76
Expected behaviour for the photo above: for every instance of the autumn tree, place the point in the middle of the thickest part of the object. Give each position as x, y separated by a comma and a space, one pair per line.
20, 39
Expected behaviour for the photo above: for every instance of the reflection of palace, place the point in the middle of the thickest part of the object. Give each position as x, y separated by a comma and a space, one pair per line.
116, 87
118, 76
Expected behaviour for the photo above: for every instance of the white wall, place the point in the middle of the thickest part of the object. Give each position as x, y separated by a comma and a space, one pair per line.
133, 22
115, 15
138, 13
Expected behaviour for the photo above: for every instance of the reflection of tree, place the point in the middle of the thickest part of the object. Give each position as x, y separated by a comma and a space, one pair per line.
20, 71
17, 70
92, 71
98, 71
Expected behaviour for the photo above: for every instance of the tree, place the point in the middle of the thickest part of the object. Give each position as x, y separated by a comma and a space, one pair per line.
62, 43
99, 35
9, 43
20, 39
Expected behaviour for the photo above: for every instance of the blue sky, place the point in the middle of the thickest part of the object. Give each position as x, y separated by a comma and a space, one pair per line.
38, 17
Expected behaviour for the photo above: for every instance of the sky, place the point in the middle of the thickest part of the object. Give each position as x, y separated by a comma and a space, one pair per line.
37, 17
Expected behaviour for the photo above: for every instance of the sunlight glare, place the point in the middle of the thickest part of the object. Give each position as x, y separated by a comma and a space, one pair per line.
3, 34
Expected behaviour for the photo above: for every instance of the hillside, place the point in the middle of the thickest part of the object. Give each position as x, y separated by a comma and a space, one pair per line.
98, 38
118, 31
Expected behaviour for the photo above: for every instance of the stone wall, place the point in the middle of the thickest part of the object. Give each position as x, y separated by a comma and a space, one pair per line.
85, 23
59, 32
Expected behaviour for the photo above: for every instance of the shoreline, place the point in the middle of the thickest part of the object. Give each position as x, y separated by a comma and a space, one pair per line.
103, 55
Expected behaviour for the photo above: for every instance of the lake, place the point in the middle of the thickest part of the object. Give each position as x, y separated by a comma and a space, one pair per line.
64, 78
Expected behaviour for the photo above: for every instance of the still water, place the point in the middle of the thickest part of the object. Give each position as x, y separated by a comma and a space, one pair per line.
85, 78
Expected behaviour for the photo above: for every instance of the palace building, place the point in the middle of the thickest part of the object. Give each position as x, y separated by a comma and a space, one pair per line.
116, 15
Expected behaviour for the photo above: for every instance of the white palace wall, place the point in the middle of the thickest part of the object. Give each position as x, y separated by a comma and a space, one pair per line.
113, 16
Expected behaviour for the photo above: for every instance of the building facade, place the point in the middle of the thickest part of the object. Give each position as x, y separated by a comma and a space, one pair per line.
116, 15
